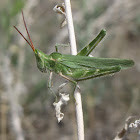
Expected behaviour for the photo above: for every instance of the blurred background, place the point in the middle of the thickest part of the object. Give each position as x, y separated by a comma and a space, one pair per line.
26, 110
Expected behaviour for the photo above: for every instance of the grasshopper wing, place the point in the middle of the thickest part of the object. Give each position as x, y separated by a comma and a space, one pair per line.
93, 62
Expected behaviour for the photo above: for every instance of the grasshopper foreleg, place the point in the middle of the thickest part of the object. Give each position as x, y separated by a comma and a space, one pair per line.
50, 85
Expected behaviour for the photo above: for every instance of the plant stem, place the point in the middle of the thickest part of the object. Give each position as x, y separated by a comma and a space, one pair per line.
77, 94
70, 27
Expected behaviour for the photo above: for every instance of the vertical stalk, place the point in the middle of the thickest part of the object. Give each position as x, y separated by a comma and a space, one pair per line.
77, 94
70, 27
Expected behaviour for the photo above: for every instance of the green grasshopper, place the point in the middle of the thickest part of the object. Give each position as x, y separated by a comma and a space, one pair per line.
79, 67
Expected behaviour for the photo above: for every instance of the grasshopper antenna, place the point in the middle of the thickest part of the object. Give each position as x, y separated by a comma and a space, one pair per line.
30, 43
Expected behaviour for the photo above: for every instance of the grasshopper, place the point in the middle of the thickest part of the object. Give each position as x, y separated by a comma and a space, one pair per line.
79, 67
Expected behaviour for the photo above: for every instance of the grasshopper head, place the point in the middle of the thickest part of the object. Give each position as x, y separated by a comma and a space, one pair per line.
40, 60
